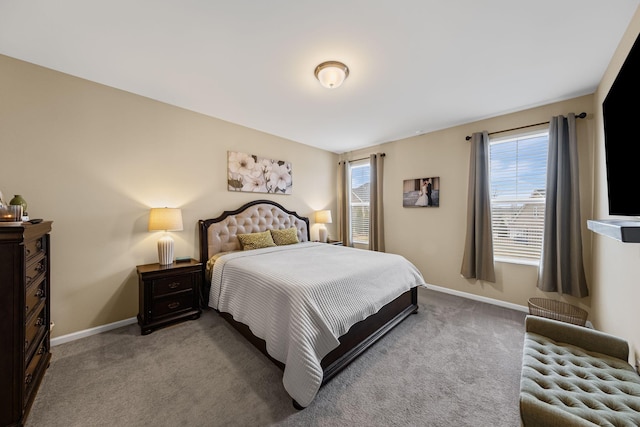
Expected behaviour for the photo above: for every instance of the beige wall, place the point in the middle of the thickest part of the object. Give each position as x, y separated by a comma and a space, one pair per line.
616, 265
94, 160
433, 238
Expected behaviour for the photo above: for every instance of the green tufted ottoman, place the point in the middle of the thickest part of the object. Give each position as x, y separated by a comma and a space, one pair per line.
575, 376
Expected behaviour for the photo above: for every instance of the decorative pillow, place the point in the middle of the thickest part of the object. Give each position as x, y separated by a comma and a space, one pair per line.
287, 236
256, 240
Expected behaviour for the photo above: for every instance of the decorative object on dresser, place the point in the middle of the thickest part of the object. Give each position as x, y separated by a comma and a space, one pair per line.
322, 218
165, 219
18, 200
10, 215
24, 317
168, 294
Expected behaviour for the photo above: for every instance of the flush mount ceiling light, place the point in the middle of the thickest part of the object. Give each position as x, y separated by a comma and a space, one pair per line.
331, 74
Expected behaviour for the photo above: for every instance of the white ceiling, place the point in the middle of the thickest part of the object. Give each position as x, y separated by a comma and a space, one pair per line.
416, 65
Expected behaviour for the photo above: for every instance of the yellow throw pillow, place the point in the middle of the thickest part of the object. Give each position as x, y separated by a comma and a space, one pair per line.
287, 236
256, 240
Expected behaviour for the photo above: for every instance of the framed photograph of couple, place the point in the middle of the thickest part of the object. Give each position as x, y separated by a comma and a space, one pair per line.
421, 192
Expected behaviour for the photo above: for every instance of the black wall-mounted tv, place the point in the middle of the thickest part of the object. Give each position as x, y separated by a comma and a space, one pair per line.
621, 113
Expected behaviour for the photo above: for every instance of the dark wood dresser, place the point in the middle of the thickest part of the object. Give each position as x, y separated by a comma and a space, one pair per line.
24, 317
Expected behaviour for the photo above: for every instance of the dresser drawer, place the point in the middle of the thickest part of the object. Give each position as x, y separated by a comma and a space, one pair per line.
30, 374
172, 284
36, 292
35, 328
33, 248
35, 269
172, 304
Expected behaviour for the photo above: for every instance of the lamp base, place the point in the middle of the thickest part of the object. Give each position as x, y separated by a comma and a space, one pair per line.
165, 250
322, 234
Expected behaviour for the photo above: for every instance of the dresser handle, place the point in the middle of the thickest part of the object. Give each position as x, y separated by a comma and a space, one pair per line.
26, 344
28, 379
41, 350
28, 279
174, 285
39, 293
41, 267
173, 305
26, 308
39, 245
39, 321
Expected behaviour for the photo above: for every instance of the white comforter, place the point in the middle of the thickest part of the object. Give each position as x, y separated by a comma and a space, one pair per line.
300, 298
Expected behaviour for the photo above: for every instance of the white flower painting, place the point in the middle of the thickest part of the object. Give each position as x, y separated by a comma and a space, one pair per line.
250, 173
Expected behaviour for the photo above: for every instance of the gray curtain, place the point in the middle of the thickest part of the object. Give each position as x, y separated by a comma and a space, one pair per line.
561, 266
376, 216
477, 261
343, 203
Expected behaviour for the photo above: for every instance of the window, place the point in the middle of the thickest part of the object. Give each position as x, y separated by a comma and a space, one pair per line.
518, 178
359, 201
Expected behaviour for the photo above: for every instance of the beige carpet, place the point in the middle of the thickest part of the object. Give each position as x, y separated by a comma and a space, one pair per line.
455, 363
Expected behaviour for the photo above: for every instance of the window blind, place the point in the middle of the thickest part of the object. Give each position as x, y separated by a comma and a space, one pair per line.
518, 175
359, 203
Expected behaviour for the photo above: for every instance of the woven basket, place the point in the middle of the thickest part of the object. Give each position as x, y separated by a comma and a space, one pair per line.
557, 310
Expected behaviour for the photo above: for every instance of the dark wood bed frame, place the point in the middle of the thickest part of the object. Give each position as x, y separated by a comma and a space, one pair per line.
360, 336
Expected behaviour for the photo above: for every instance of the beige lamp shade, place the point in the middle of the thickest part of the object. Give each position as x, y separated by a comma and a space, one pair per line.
323, 217
167, 219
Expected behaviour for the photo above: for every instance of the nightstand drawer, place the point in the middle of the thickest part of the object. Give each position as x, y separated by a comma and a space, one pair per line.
172, 284
171, 305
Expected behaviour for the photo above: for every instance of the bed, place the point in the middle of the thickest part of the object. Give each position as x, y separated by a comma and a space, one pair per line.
310, 307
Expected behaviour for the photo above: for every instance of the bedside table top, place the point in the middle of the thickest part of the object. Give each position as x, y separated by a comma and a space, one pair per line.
146, 268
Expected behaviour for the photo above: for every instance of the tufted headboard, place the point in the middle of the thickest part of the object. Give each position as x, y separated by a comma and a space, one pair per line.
219, 234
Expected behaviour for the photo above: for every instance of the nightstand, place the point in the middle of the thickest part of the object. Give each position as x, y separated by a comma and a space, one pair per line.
335, 242
168, 294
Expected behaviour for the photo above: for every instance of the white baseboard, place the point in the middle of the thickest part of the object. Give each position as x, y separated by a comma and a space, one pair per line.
92, 331
479, 298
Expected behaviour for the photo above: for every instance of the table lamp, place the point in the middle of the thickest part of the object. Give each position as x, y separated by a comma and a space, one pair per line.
165, 219
322, 218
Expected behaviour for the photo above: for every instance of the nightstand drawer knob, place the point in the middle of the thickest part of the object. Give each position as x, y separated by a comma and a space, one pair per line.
173, 305
174, 285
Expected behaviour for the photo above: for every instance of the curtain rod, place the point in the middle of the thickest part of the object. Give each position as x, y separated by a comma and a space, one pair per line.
579, 116
364, 158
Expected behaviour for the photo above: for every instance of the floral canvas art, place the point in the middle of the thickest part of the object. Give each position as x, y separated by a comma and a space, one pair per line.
250, 173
